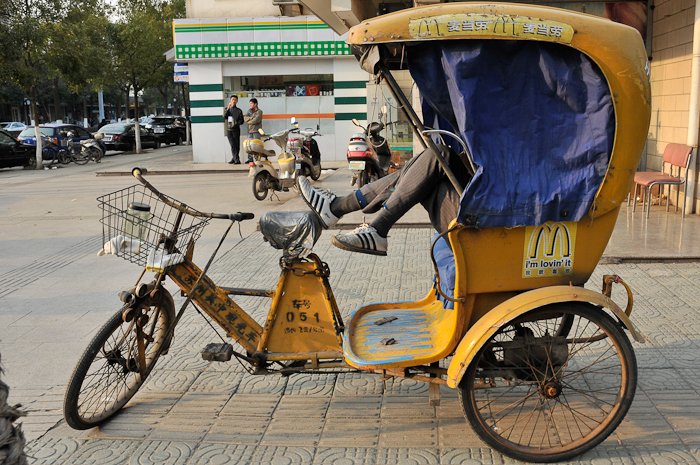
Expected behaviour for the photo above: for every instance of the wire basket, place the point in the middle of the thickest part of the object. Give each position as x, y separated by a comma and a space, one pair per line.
144, 220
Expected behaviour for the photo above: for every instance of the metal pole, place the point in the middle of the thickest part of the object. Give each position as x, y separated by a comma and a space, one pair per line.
694, 117
101, 105
417, 124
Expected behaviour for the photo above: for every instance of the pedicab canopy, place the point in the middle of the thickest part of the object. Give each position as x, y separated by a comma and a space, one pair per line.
555, 110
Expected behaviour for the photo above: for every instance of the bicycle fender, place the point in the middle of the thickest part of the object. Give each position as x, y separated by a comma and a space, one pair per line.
500, 315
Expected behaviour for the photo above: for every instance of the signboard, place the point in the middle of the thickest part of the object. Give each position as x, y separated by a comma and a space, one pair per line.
478, 25
181, 73
549, 250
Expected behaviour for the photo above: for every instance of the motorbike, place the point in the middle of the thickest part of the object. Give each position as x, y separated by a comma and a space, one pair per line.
369, 157
297, 156
306, 151
542, 365
86, 150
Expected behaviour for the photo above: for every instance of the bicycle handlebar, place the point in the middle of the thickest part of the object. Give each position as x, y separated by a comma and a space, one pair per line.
240, 216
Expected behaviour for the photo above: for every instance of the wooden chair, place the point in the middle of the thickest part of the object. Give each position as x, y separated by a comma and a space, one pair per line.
677, 155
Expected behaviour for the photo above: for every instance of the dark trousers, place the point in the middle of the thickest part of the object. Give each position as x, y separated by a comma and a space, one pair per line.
421, 180
234, 138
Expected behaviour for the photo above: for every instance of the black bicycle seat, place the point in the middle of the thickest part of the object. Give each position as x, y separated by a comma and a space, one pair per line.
293, 232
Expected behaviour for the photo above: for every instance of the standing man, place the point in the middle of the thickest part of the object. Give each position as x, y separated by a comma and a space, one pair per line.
234, 118
254, 119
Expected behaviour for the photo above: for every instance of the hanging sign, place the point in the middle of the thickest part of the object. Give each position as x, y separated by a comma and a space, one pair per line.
181, 74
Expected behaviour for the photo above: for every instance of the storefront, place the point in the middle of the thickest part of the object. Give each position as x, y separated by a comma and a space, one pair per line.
295, 67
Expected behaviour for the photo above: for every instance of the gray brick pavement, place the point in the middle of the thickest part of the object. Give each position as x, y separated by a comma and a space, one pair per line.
195, 412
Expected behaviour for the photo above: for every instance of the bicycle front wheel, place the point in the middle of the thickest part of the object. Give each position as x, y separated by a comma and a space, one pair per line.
109, 373
538, 396
80, 157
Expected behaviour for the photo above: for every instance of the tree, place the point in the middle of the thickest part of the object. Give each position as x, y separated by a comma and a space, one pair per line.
140, 37
25, 38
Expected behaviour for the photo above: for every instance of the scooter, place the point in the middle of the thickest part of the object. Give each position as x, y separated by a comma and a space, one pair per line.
369, 158
306, 151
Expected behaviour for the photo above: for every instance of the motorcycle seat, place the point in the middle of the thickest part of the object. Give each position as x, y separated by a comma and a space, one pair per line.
295, 233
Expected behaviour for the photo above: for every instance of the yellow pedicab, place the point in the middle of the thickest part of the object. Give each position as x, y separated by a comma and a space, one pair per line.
550, 110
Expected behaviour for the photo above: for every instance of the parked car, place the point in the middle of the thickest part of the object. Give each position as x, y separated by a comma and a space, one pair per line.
121, 136
59, 134
169, 129
13, 127
14, 152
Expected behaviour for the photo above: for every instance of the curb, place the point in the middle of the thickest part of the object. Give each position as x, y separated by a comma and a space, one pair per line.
171, 173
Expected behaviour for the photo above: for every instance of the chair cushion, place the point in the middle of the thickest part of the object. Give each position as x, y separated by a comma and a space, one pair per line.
646, 178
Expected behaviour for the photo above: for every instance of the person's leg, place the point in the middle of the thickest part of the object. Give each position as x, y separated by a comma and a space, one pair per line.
236, 147
251, 135
231, 142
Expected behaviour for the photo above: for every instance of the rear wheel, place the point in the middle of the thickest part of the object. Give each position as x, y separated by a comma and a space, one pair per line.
179, 140
64, 157
539, 397
363, 178
109, 372
315, 172
261, 185
157, 144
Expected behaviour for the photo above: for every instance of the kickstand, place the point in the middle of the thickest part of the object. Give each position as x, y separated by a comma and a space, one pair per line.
273, 193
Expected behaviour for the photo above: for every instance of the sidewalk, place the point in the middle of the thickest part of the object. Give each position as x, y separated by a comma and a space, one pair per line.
197, 412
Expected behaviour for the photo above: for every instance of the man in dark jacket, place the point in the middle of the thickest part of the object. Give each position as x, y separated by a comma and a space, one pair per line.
234, 118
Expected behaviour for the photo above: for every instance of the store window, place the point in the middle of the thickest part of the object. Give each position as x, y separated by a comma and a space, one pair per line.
308, 98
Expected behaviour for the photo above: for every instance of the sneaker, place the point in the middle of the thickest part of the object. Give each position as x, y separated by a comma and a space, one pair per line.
364, 239
319, 201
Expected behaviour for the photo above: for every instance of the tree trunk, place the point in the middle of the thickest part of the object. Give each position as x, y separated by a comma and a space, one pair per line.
85, 111
58, 115
126, 111
37, 132
137, 126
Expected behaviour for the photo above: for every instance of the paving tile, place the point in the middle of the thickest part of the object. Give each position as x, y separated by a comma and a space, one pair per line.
162, 452
471, 456
52, 451
200, 404
284, 431
169, 381
184, 360
406, 407
151, 403
405, 387
216, 382
405, 456
353, 407
250, 405
659, 454
416, 432
346, 456
193, 427
125, 425
457, 432
104, 452
661, 379
237, 430
646, 429
301, 407
262, 384
222, 454
358, 384
310, 385
450, 407
283, 455
354, 432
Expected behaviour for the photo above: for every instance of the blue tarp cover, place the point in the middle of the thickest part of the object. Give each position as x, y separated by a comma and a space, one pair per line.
537, 117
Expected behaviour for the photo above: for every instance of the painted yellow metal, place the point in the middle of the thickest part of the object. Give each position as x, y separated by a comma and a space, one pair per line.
617, 49
496, 259
403, 334
303, 318
216, 303
485, 327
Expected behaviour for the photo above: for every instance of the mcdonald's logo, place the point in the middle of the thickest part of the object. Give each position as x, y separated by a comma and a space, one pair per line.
549, 250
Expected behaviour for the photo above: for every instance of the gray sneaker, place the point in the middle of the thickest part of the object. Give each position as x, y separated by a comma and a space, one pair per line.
318, 200
364, 239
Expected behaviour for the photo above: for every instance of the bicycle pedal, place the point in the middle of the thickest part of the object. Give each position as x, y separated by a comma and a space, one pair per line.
217, 352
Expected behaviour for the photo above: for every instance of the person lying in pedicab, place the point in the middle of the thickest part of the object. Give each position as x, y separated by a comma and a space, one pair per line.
539, 124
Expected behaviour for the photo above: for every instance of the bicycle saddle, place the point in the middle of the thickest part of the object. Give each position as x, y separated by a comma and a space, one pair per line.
293, 232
